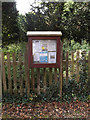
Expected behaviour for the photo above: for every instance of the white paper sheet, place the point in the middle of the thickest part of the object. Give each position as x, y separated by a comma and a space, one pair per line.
51, 45
36, 57
51, 57
44, 45
37, 47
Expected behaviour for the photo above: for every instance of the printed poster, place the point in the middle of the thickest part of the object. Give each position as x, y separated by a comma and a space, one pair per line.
51, 45
36, 46
44, 44
43, 57
51, 57
36, 57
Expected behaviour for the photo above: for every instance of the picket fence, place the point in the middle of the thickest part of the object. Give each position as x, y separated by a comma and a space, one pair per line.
17, 77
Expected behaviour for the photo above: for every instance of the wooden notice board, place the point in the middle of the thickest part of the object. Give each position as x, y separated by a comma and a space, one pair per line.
44, 50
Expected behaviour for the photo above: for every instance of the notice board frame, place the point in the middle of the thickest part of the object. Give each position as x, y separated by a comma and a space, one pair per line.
44, 65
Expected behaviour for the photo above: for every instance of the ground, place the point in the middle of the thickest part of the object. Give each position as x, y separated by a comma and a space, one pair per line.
75, 109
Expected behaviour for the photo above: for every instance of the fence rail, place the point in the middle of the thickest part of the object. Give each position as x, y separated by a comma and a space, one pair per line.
18, 78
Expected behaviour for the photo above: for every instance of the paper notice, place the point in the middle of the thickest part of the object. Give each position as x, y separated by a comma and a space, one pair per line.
51, 45
37, 47
44, 57
51, 57
36, 57
44, 45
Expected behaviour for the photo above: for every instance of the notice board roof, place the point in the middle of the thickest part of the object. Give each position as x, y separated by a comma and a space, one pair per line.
44, 33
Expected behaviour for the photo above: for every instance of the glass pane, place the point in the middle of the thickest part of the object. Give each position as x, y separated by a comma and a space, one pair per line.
44, 51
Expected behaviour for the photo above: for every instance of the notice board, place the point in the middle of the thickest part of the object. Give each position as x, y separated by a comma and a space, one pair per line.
44, 49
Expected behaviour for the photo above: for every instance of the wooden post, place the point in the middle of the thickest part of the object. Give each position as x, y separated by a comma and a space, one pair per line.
32, 79
27, 79
3, 75
72, 64
89, 67
14, 73
21, 78
66, 67
50, 76
55, 75
44, 79
9, 74
61, 71
77, 68
0, 84
38, 80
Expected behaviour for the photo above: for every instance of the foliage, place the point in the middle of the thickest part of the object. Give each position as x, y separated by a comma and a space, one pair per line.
21, 26
70, 17
75, 19
10, 30
15, 48
51, 94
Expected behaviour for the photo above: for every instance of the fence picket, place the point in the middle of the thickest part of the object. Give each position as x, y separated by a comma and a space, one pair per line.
77, 67
66, 67
27, 79
72, 63
50, 76
38, 80
55, 75
14, 73
61, 71
89, 66
32, 78
4, 75
9, 74
20, 71
44, 84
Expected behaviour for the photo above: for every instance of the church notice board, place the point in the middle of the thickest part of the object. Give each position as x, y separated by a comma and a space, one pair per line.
44, 51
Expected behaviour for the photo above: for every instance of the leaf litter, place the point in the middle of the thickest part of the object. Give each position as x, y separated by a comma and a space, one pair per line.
74, 109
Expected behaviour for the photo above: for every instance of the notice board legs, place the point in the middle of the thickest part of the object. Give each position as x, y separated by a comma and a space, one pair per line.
61, 72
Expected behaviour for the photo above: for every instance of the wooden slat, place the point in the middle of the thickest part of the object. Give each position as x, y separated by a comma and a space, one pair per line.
9, 74
27, 79
61, 72
44, 83
20, 74
14, 73
66, 67
55, 75
38, 80
72, 63
3, 74
0, 83
89, 67
32, 79
50, 76
77, 67
64, 62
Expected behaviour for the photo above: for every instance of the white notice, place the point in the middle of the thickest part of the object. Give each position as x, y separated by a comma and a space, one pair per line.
44, 45
51, 57
36, 46
36, 57
51, 45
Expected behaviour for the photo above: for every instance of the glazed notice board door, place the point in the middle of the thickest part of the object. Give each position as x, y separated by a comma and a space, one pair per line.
44, 51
